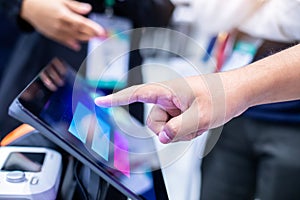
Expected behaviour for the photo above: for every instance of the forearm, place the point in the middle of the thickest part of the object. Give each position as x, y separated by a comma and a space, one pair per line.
273, 79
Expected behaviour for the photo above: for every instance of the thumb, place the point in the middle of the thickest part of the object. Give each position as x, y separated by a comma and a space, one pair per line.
78, 7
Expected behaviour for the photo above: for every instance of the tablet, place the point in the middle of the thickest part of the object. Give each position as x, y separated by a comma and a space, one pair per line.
60, 104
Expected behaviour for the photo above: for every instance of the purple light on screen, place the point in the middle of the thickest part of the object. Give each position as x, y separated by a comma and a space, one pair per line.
121, 156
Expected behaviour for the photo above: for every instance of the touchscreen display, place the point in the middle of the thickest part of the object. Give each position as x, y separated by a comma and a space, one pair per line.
108, 138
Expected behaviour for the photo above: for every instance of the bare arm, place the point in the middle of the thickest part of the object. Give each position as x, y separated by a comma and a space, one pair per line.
273, 79
185, 108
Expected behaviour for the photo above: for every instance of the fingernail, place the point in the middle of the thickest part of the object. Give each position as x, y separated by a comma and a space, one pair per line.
164, 138
102, 101
98, 101
101, 31
86, 6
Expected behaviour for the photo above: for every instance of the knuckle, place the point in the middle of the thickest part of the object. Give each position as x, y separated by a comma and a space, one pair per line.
58, 25
168, 96
61, 16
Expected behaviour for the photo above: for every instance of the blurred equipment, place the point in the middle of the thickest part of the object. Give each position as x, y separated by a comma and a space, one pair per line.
29, 173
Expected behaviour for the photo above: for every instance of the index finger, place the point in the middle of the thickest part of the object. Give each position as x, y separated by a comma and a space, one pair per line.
146, 93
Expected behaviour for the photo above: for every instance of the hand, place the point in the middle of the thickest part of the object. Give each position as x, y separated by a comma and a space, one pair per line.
61, 20
184, 108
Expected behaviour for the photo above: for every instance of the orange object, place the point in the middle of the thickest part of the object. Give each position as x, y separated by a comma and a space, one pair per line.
16, 133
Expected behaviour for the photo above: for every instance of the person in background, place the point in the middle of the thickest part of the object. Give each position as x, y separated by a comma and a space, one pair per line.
256, 154
60, 20
254, 158
60, 27
8, 40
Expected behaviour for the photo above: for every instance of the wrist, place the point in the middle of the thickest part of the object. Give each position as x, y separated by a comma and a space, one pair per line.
237, 93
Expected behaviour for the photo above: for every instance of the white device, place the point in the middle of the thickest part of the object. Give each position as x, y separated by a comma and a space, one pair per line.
29, 173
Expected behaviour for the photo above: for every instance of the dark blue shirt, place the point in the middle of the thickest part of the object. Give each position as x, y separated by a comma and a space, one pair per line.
286, 112
8, 36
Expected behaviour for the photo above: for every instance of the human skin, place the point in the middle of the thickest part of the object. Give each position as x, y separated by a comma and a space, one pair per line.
185, 108
61, 20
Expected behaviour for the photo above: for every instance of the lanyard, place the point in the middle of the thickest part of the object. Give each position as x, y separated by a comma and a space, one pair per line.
222, 40
109, 4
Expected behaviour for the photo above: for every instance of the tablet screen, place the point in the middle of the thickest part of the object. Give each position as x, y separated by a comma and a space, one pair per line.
109, 139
